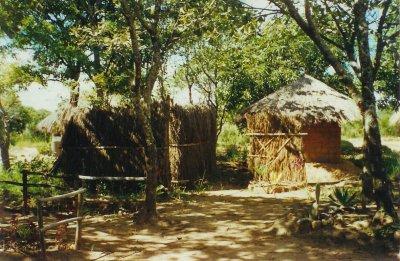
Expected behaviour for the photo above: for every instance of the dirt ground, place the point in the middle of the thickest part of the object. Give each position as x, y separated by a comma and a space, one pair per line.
216, 225
226, 224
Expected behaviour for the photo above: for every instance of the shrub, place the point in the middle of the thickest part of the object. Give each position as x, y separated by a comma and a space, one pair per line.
352, 129
233, 143
391, 162
347, 147
355, 129
343, 197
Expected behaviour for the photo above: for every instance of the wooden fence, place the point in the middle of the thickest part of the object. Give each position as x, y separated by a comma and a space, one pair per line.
25, 185
43, 228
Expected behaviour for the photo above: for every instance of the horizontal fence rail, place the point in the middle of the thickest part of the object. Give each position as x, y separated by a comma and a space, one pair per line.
78, 219
25, 185
112, 178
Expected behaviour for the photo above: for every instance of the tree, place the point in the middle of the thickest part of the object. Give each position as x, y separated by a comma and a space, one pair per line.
13, 116
342, 31
60, 34
234, 71
154, 30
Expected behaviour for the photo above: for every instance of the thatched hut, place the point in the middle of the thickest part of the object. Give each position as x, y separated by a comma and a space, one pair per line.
55, 122
298, 123
48, 124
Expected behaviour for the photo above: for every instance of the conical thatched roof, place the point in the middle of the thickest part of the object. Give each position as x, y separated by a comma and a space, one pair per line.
395, 119
47, 125
55, 122
307, 101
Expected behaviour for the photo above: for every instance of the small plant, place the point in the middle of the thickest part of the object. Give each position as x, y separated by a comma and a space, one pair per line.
178, 193
27, 232
162, 192
343, 197
22, 236
202, 186
260, 171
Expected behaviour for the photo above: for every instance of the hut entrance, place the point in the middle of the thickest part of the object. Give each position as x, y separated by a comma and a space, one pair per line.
276, 157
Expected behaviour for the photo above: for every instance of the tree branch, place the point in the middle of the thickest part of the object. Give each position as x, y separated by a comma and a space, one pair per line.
380, 42
127, 12
137, 9
361, 29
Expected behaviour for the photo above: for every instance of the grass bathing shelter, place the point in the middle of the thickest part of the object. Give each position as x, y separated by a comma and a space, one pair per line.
298, 123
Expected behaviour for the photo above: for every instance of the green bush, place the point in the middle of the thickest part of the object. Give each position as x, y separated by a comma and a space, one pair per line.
230, 135
384, 124
347, 148
352, 129
232, 144
12, 194
355, 129
391, 162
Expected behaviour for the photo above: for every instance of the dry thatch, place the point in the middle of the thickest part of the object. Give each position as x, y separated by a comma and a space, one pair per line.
48, 124
307, 101
395, 119
56, 121
275, 159
110, 142
192, 139
275, 122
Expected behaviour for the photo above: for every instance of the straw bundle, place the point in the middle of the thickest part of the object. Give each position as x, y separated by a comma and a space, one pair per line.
192, 142
275, 159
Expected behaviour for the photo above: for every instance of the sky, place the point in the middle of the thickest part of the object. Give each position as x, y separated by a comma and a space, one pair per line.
49, 97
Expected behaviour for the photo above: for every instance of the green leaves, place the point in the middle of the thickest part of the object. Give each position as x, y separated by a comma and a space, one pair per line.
343, 197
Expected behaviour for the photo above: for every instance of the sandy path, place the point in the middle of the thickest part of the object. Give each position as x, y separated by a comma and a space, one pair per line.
222, 225
218, 225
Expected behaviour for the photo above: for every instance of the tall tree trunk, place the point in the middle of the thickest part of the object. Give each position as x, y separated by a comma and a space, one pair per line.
4, 138
375, 183
74, 99
190, 94
5, 147
373, 159
143, 110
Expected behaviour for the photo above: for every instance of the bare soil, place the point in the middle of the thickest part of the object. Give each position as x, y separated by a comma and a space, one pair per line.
216, 225
230, 223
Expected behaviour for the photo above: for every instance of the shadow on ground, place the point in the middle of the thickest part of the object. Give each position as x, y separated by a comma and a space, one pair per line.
211, 227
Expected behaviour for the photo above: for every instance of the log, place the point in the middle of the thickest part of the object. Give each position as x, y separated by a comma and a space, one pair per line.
59, 197
112, 178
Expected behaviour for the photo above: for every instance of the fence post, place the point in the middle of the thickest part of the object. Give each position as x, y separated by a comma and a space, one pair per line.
25, 191
41, 233
78, 233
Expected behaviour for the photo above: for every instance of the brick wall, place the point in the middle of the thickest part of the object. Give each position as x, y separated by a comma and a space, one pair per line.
322, 144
